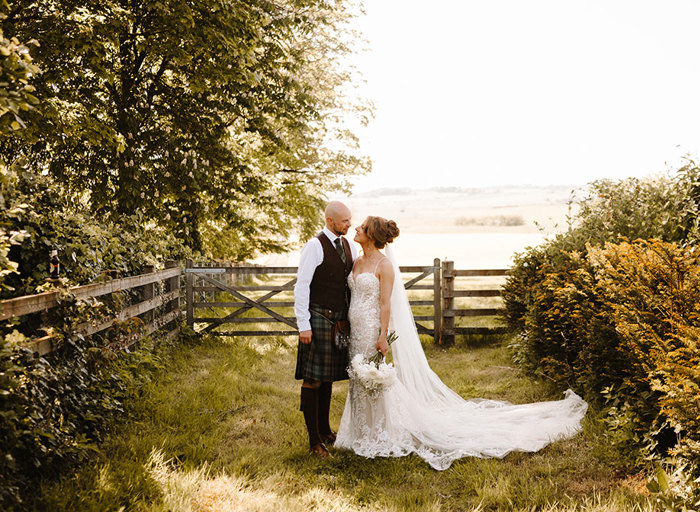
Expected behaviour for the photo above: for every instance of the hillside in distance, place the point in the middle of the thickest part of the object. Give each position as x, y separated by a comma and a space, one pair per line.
504, 209
476, 228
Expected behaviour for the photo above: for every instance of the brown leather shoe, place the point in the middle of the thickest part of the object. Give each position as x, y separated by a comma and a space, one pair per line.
329, 438
319, 450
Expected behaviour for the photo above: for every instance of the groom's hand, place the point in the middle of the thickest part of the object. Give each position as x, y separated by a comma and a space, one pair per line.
305, 337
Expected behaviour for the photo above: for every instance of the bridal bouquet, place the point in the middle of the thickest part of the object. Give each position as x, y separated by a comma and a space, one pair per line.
373, 374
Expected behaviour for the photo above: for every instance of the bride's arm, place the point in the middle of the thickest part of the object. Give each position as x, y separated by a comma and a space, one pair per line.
386, 284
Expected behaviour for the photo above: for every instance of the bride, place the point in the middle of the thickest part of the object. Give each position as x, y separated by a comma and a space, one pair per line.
418, 413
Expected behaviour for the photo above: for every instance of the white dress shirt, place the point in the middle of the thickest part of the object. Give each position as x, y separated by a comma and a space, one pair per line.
311, 257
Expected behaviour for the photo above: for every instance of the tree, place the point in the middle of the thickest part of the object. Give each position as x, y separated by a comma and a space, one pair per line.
217, 119
16, 98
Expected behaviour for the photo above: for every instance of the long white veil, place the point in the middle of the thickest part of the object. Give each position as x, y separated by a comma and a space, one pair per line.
412, 367
445, 426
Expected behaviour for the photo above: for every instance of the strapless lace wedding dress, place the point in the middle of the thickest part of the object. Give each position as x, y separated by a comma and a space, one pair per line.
421, 415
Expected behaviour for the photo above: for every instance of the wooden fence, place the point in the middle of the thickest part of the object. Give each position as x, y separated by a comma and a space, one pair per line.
245, 296
158, 306
432, 289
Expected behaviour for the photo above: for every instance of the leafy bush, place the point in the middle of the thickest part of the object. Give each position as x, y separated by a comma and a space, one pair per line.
88, 246
54, 409
618, 320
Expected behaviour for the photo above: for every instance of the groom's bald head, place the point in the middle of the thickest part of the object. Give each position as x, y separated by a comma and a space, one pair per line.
338, 217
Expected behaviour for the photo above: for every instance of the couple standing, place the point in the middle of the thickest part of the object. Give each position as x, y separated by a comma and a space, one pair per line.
417, 413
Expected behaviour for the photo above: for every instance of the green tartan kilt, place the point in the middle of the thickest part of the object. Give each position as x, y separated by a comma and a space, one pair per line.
321, 360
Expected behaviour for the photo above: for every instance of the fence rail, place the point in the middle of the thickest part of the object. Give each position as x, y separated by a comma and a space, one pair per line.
232, 288
152, 300
234, 281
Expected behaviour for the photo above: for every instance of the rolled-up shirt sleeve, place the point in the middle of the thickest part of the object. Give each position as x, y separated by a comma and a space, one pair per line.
311, 257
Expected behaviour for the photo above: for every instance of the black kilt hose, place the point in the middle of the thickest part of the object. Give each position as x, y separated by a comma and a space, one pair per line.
321, 360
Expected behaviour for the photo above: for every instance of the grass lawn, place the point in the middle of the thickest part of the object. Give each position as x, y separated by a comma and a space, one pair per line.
220, 430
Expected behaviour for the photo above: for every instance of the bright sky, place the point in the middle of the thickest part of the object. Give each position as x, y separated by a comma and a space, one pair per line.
494, 92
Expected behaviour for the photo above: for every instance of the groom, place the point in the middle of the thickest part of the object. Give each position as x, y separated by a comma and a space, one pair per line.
322, 296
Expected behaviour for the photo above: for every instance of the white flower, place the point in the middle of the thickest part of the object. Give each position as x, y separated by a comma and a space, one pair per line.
375, 378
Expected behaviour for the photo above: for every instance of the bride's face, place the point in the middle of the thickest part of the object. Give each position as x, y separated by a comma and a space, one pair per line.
360, 235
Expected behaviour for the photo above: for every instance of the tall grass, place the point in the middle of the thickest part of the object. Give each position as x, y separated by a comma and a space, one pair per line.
220, 430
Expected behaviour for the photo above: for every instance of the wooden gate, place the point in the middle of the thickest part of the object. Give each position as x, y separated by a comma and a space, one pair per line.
262, 297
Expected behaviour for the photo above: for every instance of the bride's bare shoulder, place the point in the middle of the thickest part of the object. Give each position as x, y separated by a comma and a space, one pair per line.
385, 268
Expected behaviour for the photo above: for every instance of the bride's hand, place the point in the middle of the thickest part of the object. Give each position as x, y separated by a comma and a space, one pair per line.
382, 345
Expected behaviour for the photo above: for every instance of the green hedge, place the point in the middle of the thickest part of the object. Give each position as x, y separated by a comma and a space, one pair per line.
54, 409
619, 321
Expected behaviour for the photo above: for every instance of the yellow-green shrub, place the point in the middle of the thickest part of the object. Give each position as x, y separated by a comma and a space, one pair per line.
621, 324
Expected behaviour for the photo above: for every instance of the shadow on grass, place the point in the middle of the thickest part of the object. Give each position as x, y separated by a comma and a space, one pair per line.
220, 430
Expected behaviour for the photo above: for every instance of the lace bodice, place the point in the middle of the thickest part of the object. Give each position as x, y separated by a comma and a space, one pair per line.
364, 313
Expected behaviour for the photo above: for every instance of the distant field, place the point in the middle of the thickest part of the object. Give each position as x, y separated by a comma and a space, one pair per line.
434, 211
474, 228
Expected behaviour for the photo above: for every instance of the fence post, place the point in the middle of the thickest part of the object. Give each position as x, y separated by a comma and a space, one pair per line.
189, 296
148, 292
448, 287
437, 302
171, 285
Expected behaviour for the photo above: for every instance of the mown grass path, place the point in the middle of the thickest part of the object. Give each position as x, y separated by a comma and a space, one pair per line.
220, 430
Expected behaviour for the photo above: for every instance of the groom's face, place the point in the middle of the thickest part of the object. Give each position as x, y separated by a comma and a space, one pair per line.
340, 222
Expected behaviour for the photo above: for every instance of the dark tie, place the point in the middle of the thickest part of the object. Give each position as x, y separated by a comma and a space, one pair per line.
339, 248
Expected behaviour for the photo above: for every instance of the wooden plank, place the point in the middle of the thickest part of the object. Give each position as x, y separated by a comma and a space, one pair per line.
480, 273
475, 312
48, 344
447, 322
255, 333
125, 283
245, 308
424, 330
216, 321
437, 301
94, 326
251, 302
164, 320
409, 269
156, 325
422, 287
262, 288
199, 305
244, 269
412, 282
44, 345
173, 284
41, 301
473, 293
423, 318
282, 304
189, 295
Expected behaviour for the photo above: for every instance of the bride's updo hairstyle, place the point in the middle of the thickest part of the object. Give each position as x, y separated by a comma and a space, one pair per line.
381, 231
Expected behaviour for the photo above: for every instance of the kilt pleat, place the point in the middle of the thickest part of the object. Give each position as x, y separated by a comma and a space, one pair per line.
321, 360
